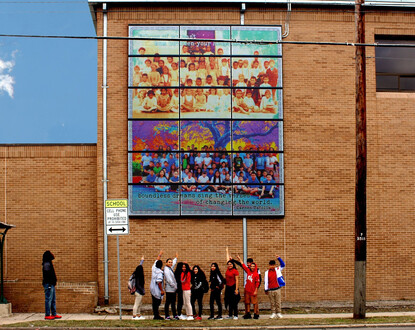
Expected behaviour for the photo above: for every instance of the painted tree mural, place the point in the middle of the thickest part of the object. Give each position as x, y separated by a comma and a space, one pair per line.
153, 135
217, 134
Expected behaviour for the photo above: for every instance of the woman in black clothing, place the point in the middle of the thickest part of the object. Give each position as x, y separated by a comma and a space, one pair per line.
179, 292
49, 283
199, 284
216, 285
139, 291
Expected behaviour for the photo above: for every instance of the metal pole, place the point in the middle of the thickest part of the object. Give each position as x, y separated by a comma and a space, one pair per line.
359, 308
104, 147
119, 275
245, 240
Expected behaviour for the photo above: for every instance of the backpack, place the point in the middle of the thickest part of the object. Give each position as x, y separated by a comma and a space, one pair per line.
205, 286
131, 283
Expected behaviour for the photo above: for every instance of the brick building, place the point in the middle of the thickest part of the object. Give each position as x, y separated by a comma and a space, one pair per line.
54, 193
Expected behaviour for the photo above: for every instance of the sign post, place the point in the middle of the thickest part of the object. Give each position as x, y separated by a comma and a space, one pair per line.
116, 223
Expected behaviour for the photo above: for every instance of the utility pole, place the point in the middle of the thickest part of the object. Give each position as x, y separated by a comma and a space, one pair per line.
359, 307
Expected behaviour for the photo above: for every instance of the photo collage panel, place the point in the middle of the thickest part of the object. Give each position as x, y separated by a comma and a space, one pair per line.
205, 121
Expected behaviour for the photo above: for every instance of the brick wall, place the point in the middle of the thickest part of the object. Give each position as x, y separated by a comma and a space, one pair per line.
316, 237
48, 192
54, 193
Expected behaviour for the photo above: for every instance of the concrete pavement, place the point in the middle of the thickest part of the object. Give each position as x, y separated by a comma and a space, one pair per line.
30, 317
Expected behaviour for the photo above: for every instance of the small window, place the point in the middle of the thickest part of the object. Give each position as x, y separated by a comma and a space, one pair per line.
395, 65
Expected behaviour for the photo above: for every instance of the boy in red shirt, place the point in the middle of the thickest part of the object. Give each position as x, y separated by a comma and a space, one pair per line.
274, 281
251, 289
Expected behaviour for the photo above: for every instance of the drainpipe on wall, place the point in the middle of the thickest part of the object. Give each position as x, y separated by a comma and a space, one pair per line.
244, 224
287, 21
104, 147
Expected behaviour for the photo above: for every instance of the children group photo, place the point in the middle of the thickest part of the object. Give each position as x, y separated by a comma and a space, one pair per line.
203, 76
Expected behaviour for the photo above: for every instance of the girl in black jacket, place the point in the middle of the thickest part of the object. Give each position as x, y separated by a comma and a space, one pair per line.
139, 291
199, 284
216, 285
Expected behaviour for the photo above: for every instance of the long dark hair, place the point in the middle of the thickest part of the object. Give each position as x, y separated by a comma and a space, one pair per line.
178, 274
47, 257
139, 275
200, 274
187, 271
216, 272
232, 262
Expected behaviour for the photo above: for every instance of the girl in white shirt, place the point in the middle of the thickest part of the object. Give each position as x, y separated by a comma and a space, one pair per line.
212, 104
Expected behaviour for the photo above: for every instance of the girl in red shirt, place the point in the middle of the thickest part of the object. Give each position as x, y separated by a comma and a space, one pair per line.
232, 296
186, 278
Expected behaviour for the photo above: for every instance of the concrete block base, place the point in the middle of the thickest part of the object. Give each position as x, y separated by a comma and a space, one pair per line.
5, 310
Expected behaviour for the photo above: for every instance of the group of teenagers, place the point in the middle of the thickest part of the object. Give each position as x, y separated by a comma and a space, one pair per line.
253, 80
177, 281
254, 174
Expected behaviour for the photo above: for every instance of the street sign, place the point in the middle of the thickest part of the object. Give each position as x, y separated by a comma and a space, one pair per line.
116, 217
118, 230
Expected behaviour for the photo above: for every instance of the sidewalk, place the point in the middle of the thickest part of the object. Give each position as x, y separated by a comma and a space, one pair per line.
30, 317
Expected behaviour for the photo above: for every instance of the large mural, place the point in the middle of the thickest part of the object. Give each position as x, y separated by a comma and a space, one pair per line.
205, 121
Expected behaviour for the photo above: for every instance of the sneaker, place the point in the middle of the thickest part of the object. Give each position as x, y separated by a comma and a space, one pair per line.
190, 318
235, 317
168, 318
157, 318
256, 316
176, 317
279, 315
135, 317
182, 317
228, 317
141, 317
211, 318
57, 316
247, 316
49, 317
273, 316
198, 318
219, 317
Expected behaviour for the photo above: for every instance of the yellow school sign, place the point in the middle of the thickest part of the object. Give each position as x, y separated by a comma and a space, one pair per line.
116, 203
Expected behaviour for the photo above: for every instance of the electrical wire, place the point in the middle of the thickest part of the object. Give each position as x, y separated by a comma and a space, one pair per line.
258, 42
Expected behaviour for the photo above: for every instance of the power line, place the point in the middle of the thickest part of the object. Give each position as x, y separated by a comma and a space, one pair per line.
38, 2
259, 42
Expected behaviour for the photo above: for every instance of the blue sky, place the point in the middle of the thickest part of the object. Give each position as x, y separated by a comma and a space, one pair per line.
48, 87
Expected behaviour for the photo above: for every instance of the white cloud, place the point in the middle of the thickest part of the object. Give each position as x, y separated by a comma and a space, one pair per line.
6, 79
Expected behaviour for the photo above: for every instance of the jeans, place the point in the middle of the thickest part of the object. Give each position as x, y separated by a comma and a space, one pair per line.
156, 304
215, 296
170, 301
232, 300
197, 296
50, 299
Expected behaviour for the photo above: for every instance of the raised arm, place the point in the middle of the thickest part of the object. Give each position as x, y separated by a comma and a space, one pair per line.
282, 263
142, 261
175, 261
239, 262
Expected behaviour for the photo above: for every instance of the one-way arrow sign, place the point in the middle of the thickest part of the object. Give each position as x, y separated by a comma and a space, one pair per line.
118, 230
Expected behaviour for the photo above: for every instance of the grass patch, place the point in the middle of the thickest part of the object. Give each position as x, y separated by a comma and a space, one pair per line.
128, 323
